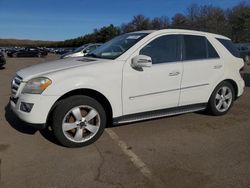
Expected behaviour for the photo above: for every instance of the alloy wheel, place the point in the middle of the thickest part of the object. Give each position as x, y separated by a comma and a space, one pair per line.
223, 99
81, 123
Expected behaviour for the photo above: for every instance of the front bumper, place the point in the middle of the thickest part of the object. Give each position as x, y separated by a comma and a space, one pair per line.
40, 110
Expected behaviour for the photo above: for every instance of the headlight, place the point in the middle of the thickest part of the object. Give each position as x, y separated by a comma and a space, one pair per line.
36, 85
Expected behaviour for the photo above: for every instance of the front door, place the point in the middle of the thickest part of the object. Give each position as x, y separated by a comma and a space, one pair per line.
155, 87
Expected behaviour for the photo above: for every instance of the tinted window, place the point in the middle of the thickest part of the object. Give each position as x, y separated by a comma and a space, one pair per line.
230, 47
211, 52
198, 47
163, 49
195, 47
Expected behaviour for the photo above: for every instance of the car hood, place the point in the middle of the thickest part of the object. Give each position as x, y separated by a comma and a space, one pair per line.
53, 66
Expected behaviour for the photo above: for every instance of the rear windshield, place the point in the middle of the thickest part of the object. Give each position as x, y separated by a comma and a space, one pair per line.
230, 47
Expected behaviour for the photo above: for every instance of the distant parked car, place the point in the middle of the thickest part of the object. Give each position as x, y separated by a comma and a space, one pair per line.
63, 50
81, 51
244, 51
12, 50
27, 52
2, 60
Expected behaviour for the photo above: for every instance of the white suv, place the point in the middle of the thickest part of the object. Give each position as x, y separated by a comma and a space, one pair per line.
135, 76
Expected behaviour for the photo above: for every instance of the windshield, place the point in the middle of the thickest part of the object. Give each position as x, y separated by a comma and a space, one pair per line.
80, 48
117, 46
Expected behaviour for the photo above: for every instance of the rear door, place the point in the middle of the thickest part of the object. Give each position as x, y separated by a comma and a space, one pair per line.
201, 69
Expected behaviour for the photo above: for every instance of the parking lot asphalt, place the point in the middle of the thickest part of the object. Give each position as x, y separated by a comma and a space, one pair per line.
190, 150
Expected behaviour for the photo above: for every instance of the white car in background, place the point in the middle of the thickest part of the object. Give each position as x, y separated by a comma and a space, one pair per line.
135, 76
82, 50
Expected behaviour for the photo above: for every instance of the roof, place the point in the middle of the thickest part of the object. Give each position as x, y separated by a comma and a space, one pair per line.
182, 31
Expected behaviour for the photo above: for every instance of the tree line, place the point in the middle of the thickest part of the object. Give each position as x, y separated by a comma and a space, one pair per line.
233, 23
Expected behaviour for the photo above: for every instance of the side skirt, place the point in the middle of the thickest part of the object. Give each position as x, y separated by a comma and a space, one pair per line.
158, 113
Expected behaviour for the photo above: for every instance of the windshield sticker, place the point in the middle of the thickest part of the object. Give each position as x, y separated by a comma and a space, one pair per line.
133, 37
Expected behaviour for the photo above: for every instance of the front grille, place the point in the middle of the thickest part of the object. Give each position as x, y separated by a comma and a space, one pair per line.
15, 84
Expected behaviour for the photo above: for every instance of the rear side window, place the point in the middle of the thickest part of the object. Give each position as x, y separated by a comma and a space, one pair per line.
230, 47
211, 52
198, 47
163, 49
195, 47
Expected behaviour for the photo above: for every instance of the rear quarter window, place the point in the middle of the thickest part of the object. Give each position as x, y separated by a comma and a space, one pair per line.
228, 44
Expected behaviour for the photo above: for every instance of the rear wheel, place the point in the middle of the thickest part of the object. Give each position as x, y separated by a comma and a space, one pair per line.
221, 99
78, 121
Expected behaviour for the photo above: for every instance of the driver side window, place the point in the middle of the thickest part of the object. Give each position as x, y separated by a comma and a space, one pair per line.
163, 49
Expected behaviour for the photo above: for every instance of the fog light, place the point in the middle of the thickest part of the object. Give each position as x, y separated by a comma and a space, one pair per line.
26, 107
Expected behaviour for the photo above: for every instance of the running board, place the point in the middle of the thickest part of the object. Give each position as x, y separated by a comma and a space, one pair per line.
158, 113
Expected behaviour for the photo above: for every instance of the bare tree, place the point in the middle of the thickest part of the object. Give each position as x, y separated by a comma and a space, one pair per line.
160, 23
239, 20
179, 21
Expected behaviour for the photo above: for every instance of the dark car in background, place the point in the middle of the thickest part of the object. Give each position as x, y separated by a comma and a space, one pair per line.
27, 52
2, 60
63, 50
244, 50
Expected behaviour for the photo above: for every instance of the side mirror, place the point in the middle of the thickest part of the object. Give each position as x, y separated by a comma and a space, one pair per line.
141, 61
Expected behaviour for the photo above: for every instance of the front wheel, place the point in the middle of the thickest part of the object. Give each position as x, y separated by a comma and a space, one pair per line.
221, 99
78, 121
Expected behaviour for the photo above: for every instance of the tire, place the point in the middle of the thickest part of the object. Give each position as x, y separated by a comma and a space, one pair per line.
39, 55
221, 99
70, 126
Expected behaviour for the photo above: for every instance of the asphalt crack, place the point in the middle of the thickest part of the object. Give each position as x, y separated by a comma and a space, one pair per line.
99, 169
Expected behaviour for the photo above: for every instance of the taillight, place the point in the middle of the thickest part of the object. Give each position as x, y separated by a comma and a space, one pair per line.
242, 72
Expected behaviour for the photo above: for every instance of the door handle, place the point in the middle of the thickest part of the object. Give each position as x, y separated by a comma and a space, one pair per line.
174, 73
217, 66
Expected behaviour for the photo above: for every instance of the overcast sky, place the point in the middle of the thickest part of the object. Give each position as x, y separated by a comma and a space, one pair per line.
61, 19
